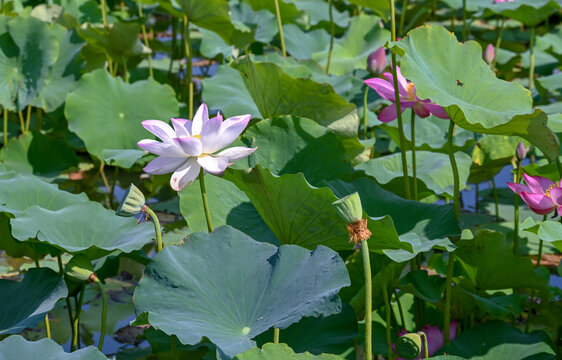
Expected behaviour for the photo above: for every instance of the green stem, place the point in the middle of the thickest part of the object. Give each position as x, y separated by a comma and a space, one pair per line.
516, 179
456, 195
38, 119
387, 310
403, 17
425, 345
22, 122
280, 25
103, 311
400, 311
496, 202
464, 27
532, 59
174, 346
275, 335
76, 320
539, 257
174, 44
205, 203
413, 140
5, 116
125, 70
332, 34
368, 301
157, 228
188, 92
498, 43
397, 104
68, 304
113, 183
417, 313
365, 96
103, 12
28, 118
47, 325
448, 287
143, 29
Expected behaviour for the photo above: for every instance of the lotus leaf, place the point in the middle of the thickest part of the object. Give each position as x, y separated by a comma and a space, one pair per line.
16, 347
281, 352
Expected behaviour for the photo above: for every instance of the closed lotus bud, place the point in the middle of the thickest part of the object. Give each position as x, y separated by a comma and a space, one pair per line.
79, 268
409, 346
521, 151
377, 61
489, 53
132, 202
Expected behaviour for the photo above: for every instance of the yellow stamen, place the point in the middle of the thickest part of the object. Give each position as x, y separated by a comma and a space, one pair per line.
410, 90
547, 191
197, 136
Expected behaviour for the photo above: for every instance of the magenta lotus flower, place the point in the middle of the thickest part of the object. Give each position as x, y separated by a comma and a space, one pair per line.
377, 61
434, 338
191, 145
407, 96
541, 194
502, 1
489, 53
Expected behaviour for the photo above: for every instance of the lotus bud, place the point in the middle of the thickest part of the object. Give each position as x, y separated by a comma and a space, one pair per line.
79, 268
489, 53
409, 346
521, 152
349, 208
377, 61
132, 202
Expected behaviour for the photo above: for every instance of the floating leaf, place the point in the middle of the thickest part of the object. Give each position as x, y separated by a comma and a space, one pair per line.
106, 113
485, 104
281, 352
232, 303
16, 347
27, 302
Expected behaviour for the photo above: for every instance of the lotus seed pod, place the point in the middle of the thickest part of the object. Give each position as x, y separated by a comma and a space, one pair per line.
409, 346
132, 202
521, 151
349, 208
79, 268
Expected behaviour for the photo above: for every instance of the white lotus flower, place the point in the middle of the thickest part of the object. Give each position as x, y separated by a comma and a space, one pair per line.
192, 145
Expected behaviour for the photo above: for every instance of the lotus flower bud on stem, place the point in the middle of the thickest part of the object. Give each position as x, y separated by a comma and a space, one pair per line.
521, 152
376, 62
489, 54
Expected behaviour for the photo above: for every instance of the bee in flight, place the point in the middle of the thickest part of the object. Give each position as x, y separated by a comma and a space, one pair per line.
460, 83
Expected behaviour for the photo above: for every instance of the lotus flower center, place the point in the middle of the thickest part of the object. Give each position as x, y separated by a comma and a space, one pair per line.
547, 191
197, 136
410, 89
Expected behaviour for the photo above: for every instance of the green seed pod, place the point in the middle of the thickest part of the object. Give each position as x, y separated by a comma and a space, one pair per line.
79, 268
132, 202
349, 208
409, 346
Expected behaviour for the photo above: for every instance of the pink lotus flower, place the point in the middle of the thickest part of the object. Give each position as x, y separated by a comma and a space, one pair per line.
377, 61
489, 53
407, 96
541, 194
191, 145
434, 338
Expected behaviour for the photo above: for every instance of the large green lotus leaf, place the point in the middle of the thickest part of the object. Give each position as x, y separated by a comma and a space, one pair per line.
529, 12
429, 221
381, 7
226, 92
122, 158
362, 37
289, 144
106, 113
28, 49
83, 10
419, 283
332, 335
300, 214
25, 303
277, 93
82, 228
21, 192
550, 83
35, 153
272, 351
491, 265
301, 44
549, 231
316, 12
497, 340
491, 154
471, 94
433, 169
262, 22
499, 305
197, 289
228, 206
287, 8
16, 347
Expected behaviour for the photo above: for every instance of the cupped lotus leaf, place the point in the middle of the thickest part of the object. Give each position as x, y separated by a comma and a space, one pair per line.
496, 339
471, 94
86, 228
289, 144
25, 303
228, 206
196, 290
300, 214
38, 154
17, 347
277, 93
433, 169
491, 265
272, 351
362, 37
28, 49
124, 107
21, 192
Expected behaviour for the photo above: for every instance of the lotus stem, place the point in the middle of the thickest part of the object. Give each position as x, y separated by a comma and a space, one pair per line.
76, 320
425, 345
448, 289
464, 27
157, 228
27, 118
532, 59
103, 310
113, 183
104, 12
47, 325
365, 96
403, 17
205, 202
368, 300
397, 104
516, 179
22, 122
332, 34
125, 70
456, 195
143, 29
174, 346
39, 117
5, 118
539, 257
495, 193
275, 335
400, 311
68, 304
413, 140
498, 42
280, 25
387, 320
188, 92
